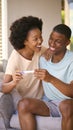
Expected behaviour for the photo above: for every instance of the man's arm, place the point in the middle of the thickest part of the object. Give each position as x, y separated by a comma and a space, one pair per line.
66, 89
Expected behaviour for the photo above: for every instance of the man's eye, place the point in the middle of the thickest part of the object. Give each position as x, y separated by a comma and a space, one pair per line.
59, 42
50, 39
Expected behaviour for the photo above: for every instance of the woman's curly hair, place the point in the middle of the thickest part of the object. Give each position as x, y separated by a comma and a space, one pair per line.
20, 28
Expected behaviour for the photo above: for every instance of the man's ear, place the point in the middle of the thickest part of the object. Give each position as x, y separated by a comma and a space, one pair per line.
68, 42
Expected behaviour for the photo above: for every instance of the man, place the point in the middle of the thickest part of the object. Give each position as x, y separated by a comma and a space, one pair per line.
56, 73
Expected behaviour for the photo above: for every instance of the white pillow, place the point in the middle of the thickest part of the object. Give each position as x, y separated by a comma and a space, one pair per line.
14, 122
43, 123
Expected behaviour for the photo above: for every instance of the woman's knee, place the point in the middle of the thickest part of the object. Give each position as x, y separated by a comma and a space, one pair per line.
66, 108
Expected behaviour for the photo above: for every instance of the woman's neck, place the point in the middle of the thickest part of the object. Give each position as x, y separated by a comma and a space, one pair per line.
28, 54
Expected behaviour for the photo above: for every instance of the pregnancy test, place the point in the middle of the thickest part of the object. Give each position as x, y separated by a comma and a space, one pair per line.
27, 71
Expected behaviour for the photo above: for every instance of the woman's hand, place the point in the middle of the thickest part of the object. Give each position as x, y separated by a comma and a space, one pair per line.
17, 77
47, 54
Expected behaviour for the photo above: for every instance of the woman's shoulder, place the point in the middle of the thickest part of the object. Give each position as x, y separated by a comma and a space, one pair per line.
13, 56
14, 53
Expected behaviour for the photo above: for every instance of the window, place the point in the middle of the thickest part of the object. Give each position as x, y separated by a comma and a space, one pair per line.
3, 34
62, 11
0, 31
4, 31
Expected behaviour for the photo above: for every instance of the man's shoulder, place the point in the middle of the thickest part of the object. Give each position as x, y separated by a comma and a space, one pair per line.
70, 54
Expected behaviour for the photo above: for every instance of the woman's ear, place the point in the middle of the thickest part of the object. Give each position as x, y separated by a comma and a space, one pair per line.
25, 42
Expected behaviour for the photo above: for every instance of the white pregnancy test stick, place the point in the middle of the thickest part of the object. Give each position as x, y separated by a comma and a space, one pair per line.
27, 71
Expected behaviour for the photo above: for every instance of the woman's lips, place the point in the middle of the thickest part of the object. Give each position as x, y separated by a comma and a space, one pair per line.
39, 46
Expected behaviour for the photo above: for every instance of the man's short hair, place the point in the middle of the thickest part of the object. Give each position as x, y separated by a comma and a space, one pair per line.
63, 29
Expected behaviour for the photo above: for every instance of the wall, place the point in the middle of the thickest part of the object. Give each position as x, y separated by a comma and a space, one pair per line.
48, 10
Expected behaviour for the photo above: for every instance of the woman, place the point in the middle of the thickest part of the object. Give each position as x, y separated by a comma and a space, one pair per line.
26, 38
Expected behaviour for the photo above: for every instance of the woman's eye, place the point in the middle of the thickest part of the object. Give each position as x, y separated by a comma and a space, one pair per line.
35, 39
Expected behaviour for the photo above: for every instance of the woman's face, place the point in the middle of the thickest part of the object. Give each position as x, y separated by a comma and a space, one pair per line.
34, 40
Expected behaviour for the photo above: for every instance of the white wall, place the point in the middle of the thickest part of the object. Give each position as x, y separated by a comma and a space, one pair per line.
48, 10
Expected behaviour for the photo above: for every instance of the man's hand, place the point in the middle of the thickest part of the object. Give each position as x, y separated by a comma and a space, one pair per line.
42, 74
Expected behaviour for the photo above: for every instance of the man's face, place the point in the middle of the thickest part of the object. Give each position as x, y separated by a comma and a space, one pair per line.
57, 43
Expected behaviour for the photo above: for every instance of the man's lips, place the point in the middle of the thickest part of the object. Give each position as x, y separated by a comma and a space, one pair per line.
51, 49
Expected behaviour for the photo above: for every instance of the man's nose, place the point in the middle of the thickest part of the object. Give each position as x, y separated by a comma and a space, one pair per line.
52, 43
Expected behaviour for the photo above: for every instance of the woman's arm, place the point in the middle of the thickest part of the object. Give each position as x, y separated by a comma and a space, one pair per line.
10, 82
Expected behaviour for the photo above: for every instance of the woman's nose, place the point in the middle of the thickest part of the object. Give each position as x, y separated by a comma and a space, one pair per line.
40, 40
